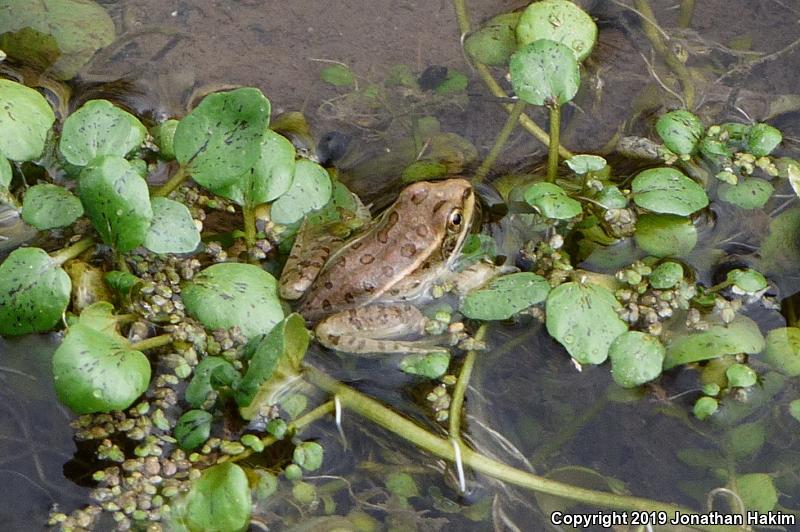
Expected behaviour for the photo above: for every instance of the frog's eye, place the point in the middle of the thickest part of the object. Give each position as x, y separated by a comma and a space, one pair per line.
455, 221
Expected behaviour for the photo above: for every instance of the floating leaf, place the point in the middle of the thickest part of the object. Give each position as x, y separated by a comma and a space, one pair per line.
99, 128
220, 140
505, 296
200, 387
705, 407
752, 193
495, 41
668, 191
275, 360
783, 350
740, 336
338, 75
583, 318
430, 365
560, 21
270, 177
232, 294
545, 73
48, 206
97, 370
762, 139
308, 455
681, 131
59, 36
34, 292
665, 235
757, 491
310, 190
740, 376
164, 137
5, 173
666, 275
218, 500
25, 120
117, 201
193, 429
636, 358
612, 198
121, 282
172, 229
583, 164
749, 281
552, 201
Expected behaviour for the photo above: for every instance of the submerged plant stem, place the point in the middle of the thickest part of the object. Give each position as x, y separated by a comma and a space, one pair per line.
249, 218
502, 138
687, 11
172, 183
70, 252
457, 401
152, 343
443, 448
486, 75
555, 133
657, 40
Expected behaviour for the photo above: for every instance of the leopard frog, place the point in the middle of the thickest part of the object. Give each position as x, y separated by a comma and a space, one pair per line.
362, 293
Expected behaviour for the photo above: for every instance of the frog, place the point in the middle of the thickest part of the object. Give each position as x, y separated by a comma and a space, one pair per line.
362, 293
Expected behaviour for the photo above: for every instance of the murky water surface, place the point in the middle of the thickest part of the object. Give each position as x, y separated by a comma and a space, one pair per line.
527, 405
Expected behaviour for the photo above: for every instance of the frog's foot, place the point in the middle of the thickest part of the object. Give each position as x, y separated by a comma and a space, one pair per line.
371, 329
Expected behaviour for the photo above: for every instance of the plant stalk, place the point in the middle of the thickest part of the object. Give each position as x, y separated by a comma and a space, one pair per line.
486, 75
249, 217
443, 448
555, 132
460, 390
71, 252
502, 138
152, 343
172, 183
687, 11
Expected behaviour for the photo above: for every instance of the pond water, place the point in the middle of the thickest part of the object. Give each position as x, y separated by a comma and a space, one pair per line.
526, 405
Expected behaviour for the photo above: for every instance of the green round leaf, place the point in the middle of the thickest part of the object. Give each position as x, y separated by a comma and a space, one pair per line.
583, 164
711, 389
219, 499
665, 235
193, 429
34, 292
744, 440
97, 371
794, 409
423, 170
762, 139
780, 250
612, 198
740, 336
25, 120
220, 140
494, 43
308, 455
431, 365
552, 201
5, 173
666, 275
705, 407
57, 36
47, 206
505, 296
99, 128
741, 376
232, 294
636, 358
757, 491
310, 190
401, 485
293, 472
271, 176
783, 350
748, 280
117, 202
172, 229
164, 137
338, 76
455, 82
583, 318
121, 282
668, 191
681, 131
545, 73
560, 21
277, 428
752, 193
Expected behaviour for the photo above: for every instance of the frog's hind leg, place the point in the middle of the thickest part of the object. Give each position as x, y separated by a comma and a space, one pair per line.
372, 329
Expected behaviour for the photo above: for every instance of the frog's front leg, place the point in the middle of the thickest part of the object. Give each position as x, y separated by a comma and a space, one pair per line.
309, 254
372, 329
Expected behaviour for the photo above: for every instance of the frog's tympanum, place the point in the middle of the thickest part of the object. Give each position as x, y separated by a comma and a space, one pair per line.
362, 293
